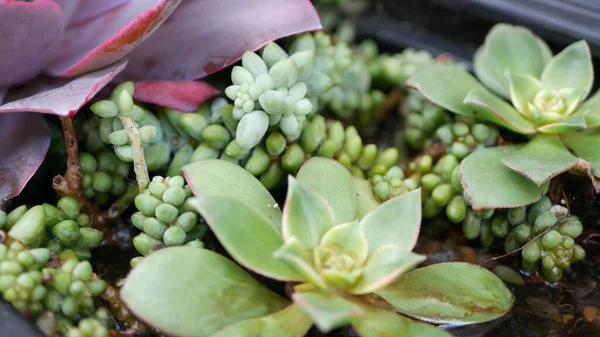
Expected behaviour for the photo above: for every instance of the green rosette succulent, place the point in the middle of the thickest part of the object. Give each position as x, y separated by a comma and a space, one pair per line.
528, 91
341, 255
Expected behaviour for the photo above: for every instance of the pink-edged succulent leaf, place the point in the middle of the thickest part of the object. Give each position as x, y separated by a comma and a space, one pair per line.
105, 39
69, 8
90, 9
30, 36
184, 96
63, 97
25, 139
204, 36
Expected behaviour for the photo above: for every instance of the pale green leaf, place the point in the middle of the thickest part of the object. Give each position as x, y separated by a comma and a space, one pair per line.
523, 89
592, 106
574, 122
490, 184
571, 68
349, 239
220, 177
483, 70
246, 234
191, 292
541, 159
301, 261
387, 324
498, 111
446, 85
515, 50
333, 181
307, 216
396, 222
587, 146
327, 310
450, 293
289, 322
384, 266
365, 198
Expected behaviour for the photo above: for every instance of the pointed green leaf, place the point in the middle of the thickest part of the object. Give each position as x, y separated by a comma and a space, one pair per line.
306, 215
220, 177
299, 260
365, 198
333, 181
587, 146
523, 89
446, 85
541, 159
575, 122
514, 49
498, 111
329, 311
592, 106
289, 322
450, 293
246, 234
384, 266
191, 292
485, 73
388, 324
349, 239
395, 222
571, 68
490, 184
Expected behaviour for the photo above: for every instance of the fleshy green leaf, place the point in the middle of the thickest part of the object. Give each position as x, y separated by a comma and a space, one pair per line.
329, 311
496, 110
349, 239
246, 234
306, 215
396, 222
450, 293
191, 292
387, 324
333, 181
572, 68
299, 260
522, 91
289, 322
365, 198
483, 70
541, 159
587, 146
220, 177
384, 266
574, 122
490, 184
514, 49
592, 106
447, 86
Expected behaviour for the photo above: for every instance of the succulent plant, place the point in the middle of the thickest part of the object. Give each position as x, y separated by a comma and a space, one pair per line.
336, 257
103, 176
545, 102
422, 119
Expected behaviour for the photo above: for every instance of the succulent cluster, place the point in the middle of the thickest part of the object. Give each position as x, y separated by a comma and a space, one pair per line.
422, 118
165, 217
103, 176
464, 136
32, 286
61, 228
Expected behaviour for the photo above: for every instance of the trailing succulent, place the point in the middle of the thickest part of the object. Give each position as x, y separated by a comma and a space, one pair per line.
529, 92
344, 261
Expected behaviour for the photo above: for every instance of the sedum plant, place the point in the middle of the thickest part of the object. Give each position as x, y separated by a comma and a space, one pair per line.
345, 263
526, 90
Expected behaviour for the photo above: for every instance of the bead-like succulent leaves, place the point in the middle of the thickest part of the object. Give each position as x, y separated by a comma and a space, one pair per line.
340, 262
531, 93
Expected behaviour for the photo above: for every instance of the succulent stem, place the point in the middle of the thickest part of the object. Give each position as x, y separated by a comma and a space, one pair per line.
139, 161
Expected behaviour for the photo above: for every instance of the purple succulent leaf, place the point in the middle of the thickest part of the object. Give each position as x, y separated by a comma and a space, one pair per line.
184, 96
62, 97
204, 36
30, 33
90, 9
106, 38
25, 139
69, 7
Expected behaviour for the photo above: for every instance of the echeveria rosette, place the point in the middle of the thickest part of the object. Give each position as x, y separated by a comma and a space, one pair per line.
338, 259
546, 96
